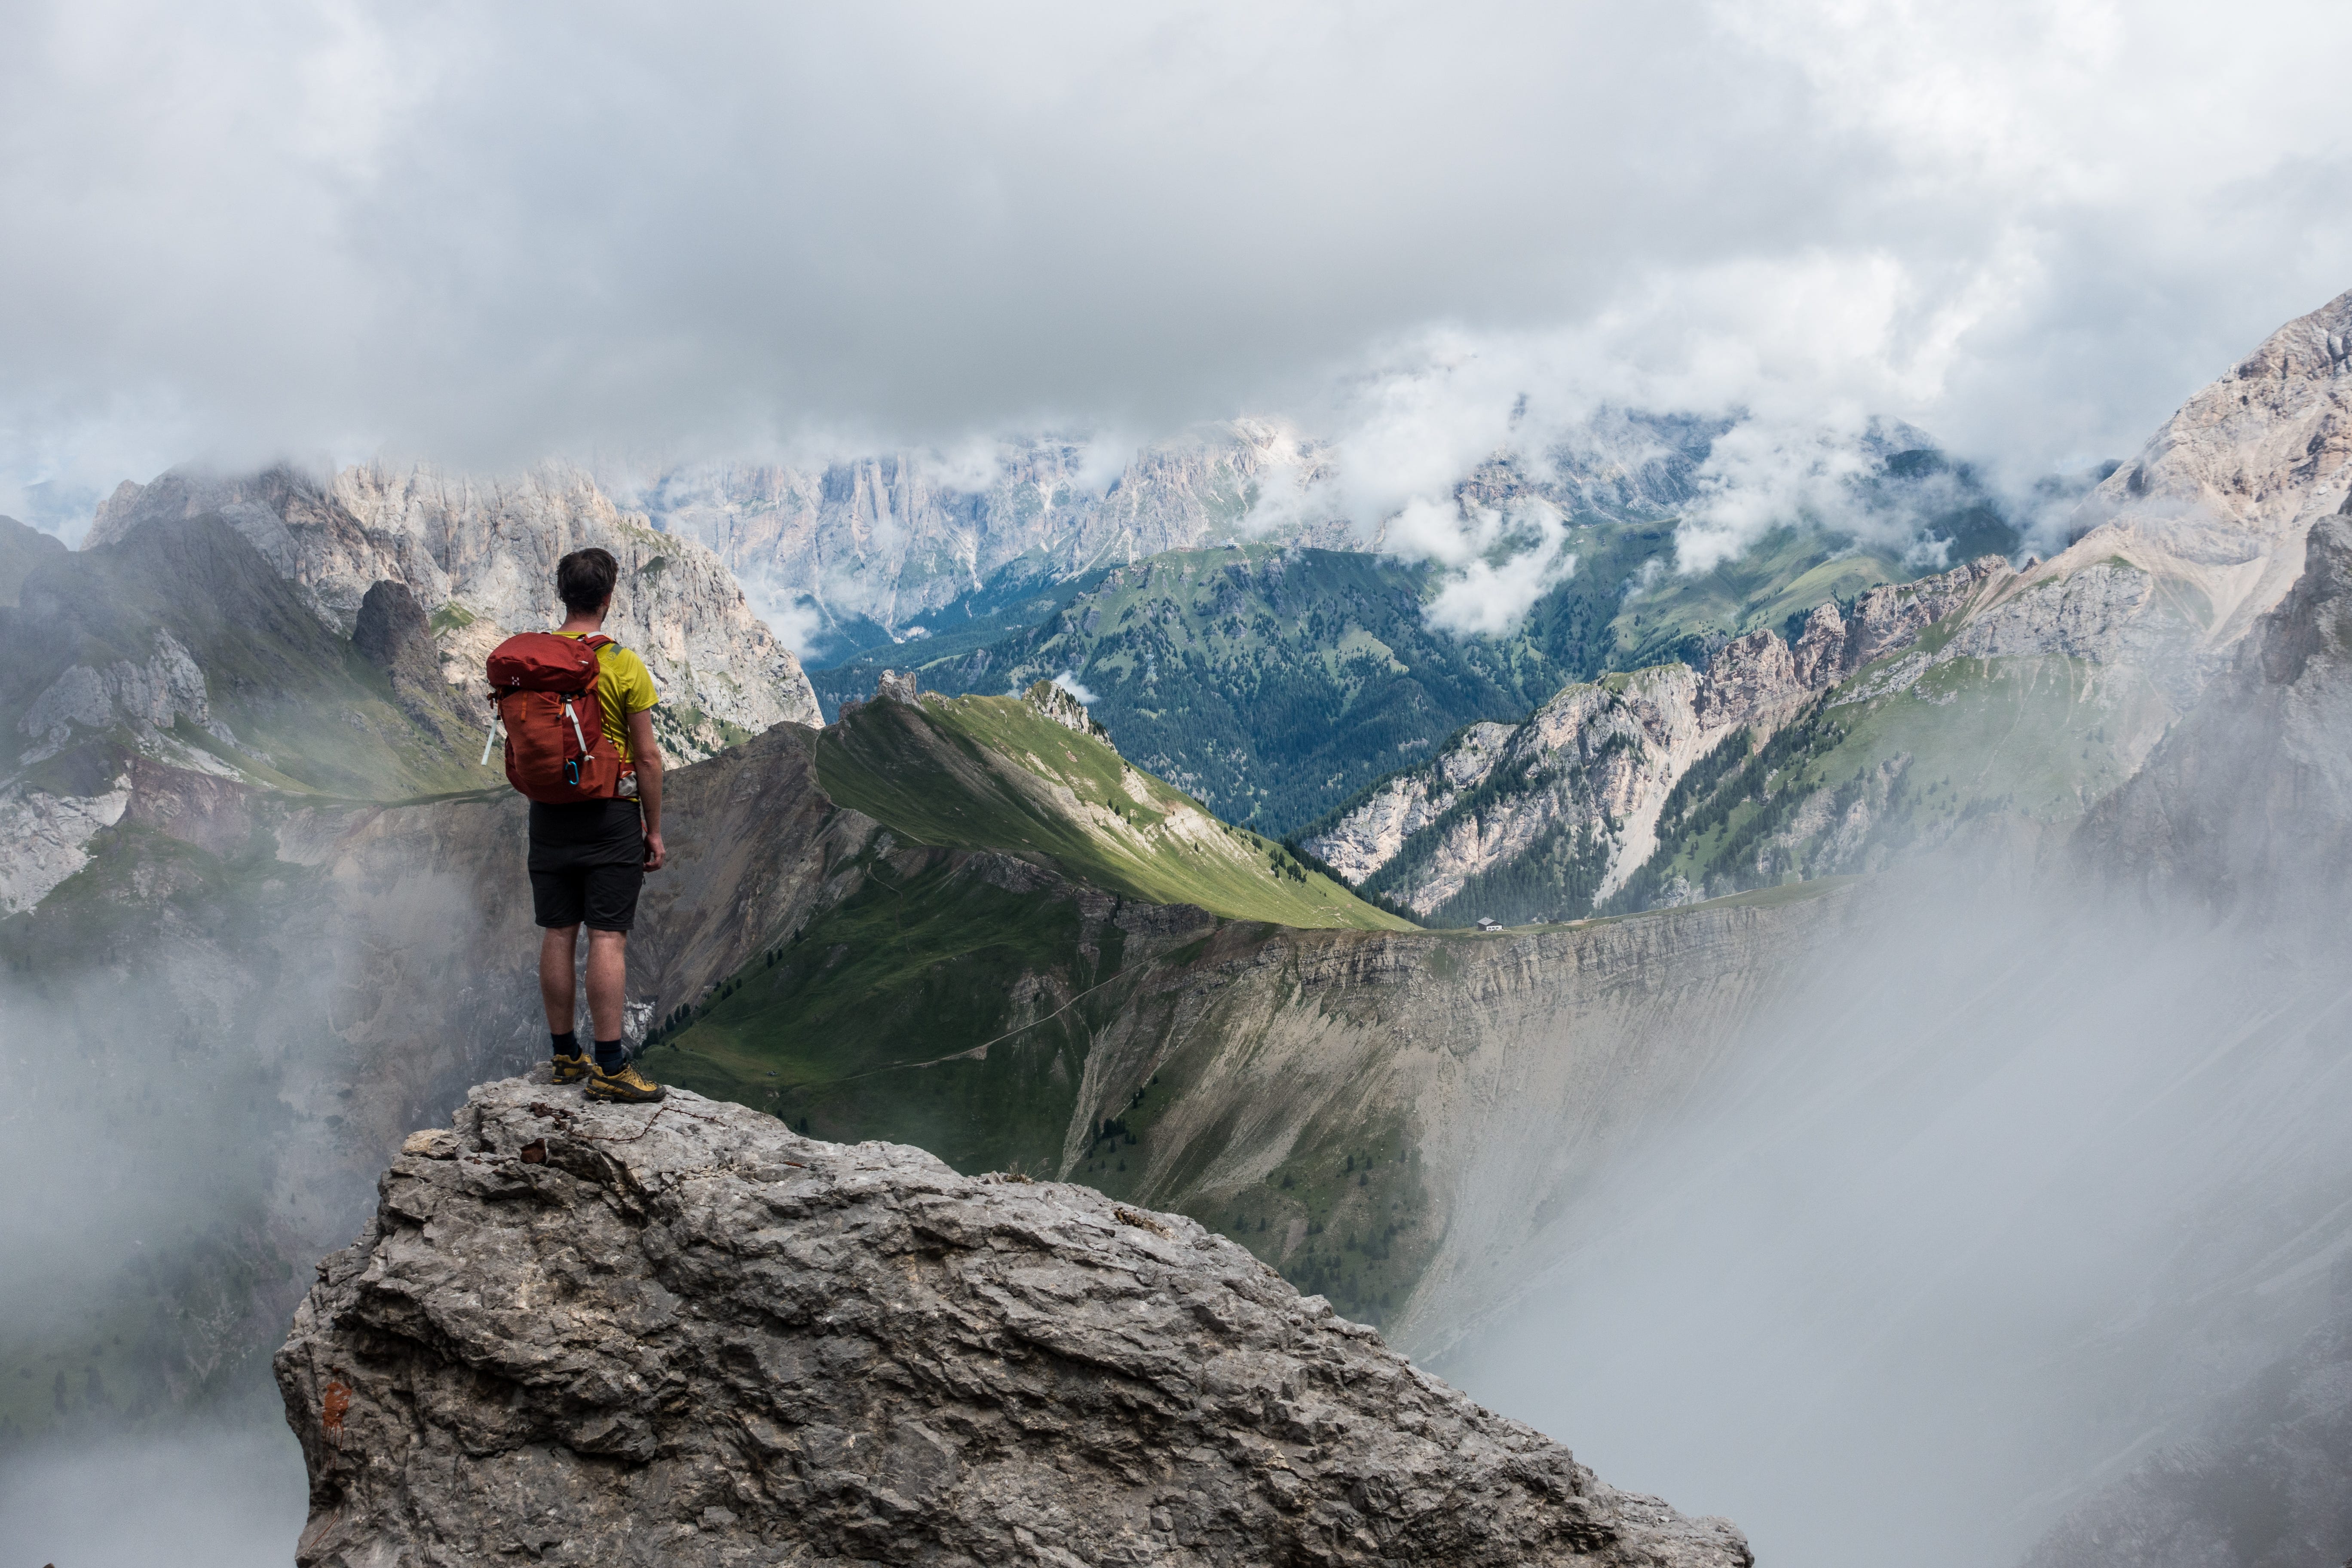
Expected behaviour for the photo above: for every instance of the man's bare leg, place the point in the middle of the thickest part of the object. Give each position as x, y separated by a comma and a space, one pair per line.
608, 980
558, 977
608, 969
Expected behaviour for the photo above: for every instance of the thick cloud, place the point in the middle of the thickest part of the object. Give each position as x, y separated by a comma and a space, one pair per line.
485, 234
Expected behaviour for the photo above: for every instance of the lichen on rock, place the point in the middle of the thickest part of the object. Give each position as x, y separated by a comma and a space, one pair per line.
682, 1334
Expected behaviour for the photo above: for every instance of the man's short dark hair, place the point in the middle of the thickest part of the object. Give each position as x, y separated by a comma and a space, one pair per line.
584, 580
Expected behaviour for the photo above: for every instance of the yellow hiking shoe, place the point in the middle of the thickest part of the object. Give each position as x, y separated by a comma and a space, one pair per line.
629, 1084
572, 1069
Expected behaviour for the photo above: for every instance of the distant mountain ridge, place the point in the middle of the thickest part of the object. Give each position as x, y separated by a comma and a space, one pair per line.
887, 539
1544, 820
880, 545
291, 634
479, 556
1277, 680
2043, 689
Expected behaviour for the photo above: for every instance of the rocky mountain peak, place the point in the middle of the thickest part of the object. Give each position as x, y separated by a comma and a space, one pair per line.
2223, 496
682, 1333
478, 556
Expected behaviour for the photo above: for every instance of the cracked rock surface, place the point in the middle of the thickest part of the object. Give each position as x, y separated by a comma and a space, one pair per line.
577, 1332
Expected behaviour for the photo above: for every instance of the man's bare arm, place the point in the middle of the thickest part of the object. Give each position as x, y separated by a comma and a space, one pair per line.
646, 750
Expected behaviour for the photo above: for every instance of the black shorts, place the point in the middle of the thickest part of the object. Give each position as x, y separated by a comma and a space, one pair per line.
587, 862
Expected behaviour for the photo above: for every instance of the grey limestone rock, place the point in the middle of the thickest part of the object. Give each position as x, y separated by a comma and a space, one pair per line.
682, 1334
1055, 702
1601, 757
478, 556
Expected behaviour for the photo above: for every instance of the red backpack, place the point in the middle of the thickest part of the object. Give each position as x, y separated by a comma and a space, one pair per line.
545, 688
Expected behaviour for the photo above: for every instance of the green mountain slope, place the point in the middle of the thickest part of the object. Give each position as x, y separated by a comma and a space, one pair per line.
995, 773
1261, 679
1274, 683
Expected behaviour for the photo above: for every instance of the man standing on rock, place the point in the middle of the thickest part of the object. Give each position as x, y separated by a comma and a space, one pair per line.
589, 857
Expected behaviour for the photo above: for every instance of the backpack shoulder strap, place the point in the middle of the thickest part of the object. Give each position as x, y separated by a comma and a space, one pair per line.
599, 641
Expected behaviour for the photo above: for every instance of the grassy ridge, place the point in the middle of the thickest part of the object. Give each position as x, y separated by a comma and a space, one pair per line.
993, 773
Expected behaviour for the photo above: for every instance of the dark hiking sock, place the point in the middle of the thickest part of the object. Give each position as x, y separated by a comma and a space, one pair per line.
566, 1044
611, 1055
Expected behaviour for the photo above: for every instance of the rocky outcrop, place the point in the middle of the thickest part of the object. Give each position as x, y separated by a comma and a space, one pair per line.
150, 695
1376, 826
683, 1334
47, 833
2221, 498
1055, 702
1599, 760
392, 634
478, 557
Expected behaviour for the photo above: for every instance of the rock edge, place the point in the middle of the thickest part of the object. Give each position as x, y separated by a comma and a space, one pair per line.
683, 1334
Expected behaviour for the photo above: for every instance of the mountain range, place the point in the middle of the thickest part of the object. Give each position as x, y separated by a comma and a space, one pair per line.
267, 912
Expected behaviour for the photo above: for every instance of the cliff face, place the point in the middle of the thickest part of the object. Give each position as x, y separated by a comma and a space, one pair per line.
179, 645
2221, 497
684, 1335
1570, 799
892, 537
1394, 1117
2202, 819
480, 558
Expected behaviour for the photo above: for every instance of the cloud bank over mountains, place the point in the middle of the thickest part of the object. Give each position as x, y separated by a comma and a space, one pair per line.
330, 231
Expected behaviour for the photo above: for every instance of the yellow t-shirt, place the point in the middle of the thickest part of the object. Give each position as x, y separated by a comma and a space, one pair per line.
623, 686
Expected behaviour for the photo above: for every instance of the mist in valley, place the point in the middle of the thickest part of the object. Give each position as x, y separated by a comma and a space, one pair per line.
213, 1495
202, 1099
147, 1270
1991, 1209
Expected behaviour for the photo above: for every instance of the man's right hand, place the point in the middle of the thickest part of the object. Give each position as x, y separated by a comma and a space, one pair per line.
654, 852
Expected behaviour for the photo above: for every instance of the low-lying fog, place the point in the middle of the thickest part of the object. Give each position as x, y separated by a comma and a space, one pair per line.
210, 1497
1978, 1219
1975, 1221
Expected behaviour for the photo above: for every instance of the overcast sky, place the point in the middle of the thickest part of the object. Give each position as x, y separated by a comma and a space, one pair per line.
489, 234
